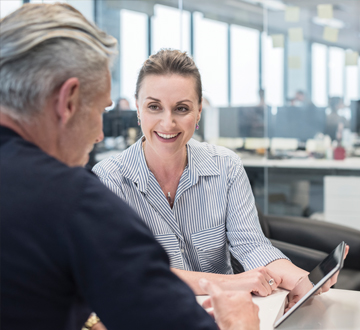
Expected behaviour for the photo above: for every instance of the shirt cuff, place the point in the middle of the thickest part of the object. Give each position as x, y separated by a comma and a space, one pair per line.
261, 258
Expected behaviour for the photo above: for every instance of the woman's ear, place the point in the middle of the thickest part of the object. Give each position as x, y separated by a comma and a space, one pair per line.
137, 107
199, 114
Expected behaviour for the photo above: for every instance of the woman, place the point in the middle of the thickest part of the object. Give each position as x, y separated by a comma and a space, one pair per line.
195, 197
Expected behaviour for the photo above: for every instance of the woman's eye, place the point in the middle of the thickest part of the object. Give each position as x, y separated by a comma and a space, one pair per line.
182, 109
153, 107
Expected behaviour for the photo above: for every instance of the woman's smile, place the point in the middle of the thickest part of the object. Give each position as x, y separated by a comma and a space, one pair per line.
167, 137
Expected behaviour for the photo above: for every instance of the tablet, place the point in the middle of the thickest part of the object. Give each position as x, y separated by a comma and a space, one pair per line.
318, 276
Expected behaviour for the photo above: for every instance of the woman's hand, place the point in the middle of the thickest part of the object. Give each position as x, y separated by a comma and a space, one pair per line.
255, 281
326, 287
304, 285
260, 281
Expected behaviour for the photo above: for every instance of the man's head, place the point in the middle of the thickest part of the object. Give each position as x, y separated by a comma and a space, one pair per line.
54, 70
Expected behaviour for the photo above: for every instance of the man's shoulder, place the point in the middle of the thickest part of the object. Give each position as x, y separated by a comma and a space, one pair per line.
51, 189
36, 174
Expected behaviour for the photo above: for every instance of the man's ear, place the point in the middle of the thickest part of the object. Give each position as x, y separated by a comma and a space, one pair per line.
68, 100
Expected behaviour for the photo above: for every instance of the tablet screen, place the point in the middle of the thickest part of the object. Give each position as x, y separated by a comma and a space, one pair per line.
318, 276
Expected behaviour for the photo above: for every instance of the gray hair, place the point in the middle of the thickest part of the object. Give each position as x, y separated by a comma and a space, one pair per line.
43, 45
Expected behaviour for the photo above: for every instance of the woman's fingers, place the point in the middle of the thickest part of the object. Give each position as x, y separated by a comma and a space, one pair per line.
347, 248
260, 285
260, 281
267, 281
326, 287
275, 277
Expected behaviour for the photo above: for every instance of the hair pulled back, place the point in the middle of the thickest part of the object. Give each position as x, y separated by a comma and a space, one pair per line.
168, 62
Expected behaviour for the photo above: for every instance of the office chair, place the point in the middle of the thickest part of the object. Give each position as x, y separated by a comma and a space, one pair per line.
307, 242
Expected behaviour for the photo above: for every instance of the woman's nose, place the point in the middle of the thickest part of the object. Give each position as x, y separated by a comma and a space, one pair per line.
168, 120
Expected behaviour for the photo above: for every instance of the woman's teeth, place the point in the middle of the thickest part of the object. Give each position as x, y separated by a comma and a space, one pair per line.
167, 136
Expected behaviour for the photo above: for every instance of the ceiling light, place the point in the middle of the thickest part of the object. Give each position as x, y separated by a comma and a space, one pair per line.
269, 4
332, 22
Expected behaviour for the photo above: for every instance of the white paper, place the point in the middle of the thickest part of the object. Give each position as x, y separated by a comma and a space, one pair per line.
292, 14
325, 11
270, 308
294, 62
351, 58
296, 34
278, 40
330, 34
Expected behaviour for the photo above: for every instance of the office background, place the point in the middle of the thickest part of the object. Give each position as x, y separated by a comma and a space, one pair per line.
281, 82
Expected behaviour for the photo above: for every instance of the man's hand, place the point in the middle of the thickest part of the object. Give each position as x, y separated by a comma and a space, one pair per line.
233, 310
98, 326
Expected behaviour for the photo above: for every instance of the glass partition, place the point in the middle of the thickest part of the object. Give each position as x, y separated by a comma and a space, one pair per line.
314, 134
280, 80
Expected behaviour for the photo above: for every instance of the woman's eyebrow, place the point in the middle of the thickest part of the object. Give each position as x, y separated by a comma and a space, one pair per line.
184, 101
153, 98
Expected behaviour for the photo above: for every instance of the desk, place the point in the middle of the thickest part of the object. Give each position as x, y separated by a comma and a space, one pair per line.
308, 163
335, 309
294, 186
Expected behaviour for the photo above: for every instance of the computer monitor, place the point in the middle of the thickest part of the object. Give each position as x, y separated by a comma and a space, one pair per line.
302, 123
117, 122
242, 121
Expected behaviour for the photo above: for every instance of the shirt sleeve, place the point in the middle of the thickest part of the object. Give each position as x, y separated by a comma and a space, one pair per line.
122, 272
247, 243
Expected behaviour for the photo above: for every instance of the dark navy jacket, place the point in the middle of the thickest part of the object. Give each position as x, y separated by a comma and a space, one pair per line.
69, 246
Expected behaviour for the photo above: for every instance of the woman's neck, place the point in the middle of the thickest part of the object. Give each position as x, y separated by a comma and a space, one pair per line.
165, 167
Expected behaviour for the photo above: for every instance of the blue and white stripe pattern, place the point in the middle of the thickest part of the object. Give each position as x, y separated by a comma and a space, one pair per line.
213, 213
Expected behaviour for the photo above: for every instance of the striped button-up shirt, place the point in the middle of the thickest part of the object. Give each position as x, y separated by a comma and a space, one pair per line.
213, 212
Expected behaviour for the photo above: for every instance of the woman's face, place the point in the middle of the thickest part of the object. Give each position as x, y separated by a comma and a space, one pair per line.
168, 107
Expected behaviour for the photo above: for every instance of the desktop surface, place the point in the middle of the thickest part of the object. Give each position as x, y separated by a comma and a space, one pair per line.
335, 309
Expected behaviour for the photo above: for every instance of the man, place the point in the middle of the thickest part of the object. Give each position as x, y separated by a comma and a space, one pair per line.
68, 245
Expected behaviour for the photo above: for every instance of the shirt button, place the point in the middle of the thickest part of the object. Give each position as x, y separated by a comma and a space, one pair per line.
182, 251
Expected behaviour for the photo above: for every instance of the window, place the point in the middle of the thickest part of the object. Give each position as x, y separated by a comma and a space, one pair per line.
272, 72
352, 83
319, 75
210, 54
244, 66
8, 6
133, 51
170, 29
86, 7
47, 1
336, 71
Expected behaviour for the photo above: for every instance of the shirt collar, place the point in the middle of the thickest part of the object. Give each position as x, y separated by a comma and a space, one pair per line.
200, 163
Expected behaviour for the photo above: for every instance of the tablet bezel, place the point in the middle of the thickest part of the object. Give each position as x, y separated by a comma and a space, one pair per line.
318, 285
